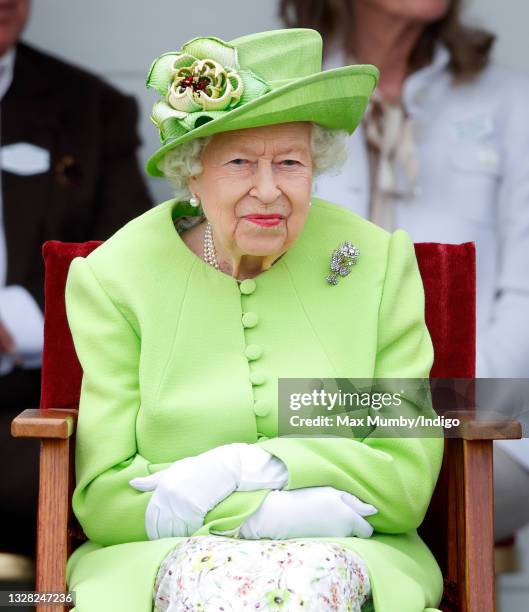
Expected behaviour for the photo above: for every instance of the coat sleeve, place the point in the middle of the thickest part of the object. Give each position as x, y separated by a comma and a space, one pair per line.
502, 349
397, 475
108, 508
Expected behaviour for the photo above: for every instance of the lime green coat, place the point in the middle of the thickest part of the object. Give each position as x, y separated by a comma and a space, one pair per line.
163, 343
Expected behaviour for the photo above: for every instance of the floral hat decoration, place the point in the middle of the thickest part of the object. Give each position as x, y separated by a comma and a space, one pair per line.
212, 86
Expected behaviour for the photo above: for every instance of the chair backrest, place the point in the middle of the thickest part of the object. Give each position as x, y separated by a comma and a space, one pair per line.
61, 370
448, 274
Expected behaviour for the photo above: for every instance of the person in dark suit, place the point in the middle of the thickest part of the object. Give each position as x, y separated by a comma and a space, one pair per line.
69, 172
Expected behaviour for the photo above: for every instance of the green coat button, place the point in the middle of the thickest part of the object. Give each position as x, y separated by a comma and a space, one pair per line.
253, 351
247, 286
261, 408
257, 377
250, 319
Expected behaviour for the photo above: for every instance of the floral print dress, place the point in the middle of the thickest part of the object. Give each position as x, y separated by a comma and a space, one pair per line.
216, 573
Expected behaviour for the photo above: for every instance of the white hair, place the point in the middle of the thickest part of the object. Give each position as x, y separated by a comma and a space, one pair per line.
328, 148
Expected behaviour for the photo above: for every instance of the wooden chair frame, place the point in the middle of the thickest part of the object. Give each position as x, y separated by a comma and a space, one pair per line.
462, 508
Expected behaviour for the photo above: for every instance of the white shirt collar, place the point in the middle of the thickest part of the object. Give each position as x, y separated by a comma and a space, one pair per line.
7, 65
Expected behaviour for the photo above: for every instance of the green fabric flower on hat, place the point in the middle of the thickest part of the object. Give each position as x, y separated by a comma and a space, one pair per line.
199, 83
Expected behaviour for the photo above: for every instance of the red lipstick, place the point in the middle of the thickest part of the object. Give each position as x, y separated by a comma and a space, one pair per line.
265, 220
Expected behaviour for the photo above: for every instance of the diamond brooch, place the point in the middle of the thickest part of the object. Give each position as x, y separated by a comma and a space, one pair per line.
341, 261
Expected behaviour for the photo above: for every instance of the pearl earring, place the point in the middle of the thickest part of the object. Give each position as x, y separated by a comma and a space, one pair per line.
194, 201
310, 202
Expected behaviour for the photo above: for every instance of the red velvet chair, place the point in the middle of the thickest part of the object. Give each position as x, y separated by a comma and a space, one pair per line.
459, 524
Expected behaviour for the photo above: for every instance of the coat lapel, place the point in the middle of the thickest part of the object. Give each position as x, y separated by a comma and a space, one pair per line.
27, 116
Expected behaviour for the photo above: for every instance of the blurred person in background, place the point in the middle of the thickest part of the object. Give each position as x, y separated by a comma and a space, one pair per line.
443, 154
68, 172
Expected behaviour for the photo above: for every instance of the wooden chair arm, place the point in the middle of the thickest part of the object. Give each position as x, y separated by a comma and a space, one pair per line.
471, 428
491, 430
58, 424
469, 459
460, 521
56, 429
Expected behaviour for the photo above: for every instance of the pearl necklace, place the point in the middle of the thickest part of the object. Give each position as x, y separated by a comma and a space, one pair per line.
210, 254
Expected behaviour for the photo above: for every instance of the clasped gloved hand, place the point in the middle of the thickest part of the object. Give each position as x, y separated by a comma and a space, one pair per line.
309, 512
189, 488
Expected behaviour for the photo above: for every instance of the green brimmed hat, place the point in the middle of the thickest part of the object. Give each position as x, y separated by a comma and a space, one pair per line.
212, 86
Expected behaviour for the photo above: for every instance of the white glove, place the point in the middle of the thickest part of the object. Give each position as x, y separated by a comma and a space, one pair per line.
189, 488
309, 512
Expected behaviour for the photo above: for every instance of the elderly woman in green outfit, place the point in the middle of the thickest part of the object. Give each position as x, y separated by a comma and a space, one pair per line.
186, 318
